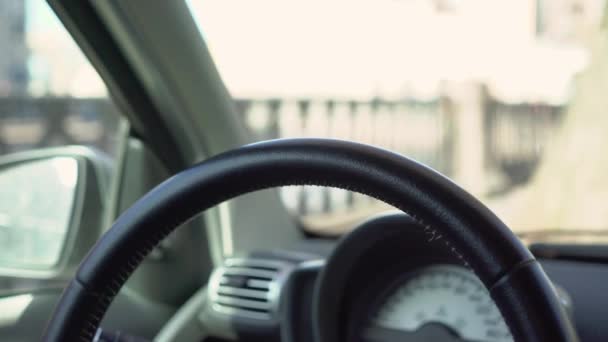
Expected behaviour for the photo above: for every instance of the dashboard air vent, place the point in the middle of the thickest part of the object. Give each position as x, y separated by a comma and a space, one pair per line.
248, 287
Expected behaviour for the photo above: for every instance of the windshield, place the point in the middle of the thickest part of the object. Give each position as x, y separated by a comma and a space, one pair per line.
504, 97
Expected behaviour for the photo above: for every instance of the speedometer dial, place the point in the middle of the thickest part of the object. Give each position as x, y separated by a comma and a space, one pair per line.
442, 302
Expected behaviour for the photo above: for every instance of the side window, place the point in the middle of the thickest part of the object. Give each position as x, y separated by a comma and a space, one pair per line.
50, 96
49, 93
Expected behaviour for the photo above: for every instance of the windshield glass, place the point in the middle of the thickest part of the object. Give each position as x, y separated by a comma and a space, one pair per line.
504, 97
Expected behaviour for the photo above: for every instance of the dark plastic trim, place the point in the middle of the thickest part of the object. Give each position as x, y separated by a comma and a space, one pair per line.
571, 251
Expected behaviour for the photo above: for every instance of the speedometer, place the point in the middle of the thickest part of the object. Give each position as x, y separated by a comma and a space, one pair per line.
439, 303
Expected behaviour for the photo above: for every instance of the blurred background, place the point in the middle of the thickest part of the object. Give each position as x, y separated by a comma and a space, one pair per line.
503, 97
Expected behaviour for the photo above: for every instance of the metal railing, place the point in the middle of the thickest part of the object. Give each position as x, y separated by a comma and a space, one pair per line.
28, 123
517, 135
514, 136
419, 129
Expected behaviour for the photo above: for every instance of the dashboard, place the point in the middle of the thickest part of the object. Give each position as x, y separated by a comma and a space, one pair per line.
405, 288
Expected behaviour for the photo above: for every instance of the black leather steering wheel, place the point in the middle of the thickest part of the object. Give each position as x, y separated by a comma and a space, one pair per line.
470, 231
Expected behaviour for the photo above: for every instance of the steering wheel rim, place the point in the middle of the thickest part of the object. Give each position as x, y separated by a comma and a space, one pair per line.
469, 230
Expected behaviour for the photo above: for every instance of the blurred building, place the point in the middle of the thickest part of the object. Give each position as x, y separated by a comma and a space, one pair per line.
13, 60
568, 21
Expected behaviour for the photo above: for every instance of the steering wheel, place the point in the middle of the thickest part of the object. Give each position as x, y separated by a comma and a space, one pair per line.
470, 231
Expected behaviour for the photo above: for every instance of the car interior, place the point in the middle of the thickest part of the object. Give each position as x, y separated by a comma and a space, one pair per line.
382, 171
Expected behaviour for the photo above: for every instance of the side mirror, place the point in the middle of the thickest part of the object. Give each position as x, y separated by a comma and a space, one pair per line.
51, 209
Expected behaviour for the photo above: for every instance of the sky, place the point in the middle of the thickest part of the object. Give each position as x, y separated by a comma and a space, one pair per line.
363, 48
341, 48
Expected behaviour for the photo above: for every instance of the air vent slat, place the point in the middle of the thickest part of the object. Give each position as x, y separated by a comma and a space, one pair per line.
244, 293
243, 303
258, 284
271, 265
248, 287
241, 271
